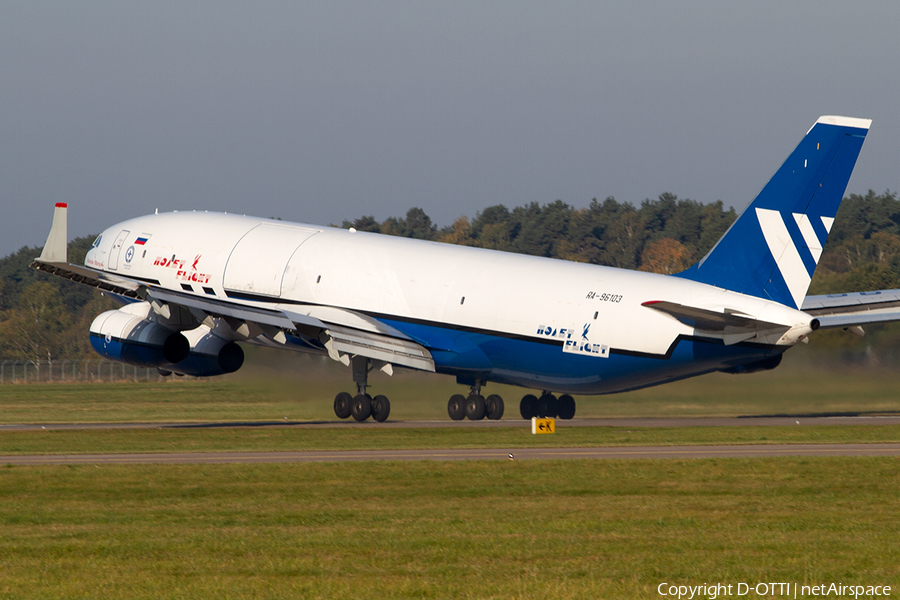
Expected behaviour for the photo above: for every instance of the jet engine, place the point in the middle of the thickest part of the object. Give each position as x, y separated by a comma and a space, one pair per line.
209, 355
129, 335
123, 336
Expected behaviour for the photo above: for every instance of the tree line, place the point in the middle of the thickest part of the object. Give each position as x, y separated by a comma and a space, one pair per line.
666, 235
45, 317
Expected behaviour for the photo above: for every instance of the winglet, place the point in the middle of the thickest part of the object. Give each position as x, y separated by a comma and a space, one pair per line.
55, 250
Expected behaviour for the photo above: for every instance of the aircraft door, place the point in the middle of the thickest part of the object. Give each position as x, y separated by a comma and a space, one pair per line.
116, 249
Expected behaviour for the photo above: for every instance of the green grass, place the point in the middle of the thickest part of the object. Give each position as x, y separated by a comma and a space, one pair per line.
483, 529
503, 529
269, 392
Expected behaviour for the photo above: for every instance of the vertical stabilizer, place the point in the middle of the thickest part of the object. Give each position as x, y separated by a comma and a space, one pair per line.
55, 250
771, 251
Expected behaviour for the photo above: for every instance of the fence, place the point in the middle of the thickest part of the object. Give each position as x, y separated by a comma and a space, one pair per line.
69, 371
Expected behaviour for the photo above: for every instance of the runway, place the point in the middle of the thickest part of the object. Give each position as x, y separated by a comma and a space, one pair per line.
630, 422
619, 453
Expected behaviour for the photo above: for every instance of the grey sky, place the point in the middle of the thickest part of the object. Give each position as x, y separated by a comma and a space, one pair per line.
322, 111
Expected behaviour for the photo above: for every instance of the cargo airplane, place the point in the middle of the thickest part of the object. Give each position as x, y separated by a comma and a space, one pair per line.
196, 285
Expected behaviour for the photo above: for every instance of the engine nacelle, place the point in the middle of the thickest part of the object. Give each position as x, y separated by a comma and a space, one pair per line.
122, 336
129, 335
209, 355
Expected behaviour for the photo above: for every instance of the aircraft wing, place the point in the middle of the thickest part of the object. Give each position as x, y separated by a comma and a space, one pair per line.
344, 333
855, 309
138, 290
88, 276
344, 342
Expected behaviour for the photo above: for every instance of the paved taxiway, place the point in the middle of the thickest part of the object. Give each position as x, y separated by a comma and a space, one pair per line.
621, 452
748, 421
745, 451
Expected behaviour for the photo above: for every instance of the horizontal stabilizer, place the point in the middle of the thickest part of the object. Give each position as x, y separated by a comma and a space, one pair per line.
849, 310
855, 320
709, 320
856, 302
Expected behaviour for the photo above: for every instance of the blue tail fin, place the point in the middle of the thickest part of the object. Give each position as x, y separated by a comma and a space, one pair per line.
772, 249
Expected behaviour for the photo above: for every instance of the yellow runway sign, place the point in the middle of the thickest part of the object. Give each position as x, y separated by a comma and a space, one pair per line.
543, 425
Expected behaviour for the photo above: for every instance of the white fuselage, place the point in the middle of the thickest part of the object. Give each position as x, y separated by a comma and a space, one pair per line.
313, 269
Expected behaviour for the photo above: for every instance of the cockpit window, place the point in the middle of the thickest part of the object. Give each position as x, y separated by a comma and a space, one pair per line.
97, 241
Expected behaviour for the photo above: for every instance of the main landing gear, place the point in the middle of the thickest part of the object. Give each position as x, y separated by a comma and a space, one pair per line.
362, 406
475, 406
547, 405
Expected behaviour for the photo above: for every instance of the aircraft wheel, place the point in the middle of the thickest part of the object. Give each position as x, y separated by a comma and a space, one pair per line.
494, 404
546, 406
343, 403
528, 406
456, 408
475, 407
381, 408
361, 407
566, 406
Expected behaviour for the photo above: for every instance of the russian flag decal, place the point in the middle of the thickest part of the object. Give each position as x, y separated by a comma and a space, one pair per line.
141, 240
